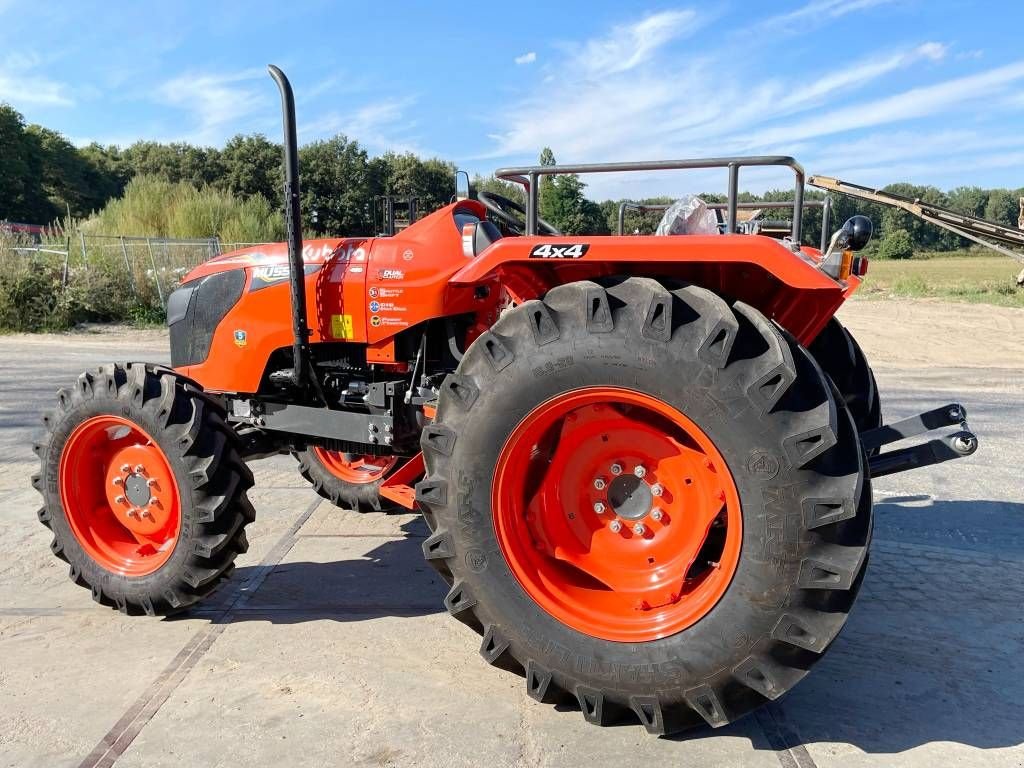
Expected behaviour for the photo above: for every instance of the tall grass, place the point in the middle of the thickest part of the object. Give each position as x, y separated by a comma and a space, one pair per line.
154, 207
99, 287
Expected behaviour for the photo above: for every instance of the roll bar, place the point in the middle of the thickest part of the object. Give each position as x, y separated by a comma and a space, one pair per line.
529, 176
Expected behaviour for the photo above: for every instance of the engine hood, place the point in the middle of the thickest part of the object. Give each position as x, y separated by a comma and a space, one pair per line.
314, 252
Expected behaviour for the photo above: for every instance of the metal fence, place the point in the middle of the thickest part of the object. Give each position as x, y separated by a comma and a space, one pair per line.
149, 267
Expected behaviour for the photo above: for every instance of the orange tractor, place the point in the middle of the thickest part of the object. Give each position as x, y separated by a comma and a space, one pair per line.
645, 462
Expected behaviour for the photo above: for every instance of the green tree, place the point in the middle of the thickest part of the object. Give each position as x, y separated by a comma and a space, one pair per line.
563, 204
71, 181
175, 162
897, 244
252, 165
1002, 207
22, 197
431, 182
968, 200
336, 193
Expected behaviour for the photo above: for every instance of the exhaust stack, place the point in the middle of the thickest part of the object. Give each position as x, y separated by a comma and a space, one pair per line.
293, 224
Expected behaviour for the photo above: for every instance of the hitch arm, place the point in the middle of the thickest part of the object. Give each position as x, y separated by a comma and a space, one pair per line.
935, 451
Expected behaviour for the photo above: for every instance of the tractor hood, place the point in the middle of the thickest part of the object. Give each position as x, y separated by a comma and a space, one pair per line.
314, 252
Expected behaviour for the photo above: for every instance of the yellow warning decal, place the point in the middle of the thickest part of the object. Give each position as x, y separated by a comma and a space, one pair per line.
341, 327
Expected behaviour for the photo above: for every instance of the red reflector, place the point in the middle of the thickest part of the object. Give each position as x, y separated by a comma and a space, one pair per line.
862, 267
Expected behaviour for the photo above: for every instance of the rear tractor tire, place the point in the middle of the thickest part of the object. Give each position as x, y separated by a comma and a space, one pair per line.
841, 357
647, 501
348, 480
144, 488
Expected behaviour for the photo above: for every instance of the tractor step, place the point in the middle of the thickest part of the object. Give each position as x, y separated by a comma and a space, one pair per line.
399, 486
935, 451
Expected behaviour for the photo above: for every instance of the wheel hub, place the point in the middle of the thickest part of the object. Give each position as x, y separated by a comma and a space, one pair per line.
137, 490
630, 497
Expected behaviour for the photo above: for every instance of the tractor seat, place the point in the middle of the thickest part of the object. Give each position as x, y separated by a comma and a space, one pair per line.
485, 234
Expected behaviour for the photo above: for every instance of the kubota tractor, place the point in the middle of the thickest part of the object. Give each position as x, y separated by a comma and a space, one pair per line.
645, 462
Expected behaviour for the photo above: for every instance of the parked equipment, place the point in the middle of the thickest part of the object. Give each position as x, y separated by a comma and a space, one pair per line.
645, 462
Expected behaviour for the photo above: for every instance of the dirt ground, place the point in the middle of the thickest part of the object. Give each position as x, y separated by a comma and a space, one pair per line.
924, 332
330, 645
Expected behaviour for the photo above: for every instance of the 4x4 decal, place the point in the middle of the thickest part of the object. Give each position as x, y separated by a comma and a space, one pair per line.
566, 251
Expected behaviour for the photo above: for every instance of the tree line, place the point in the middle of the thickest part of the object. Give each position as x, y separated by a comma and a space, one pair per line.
44, 177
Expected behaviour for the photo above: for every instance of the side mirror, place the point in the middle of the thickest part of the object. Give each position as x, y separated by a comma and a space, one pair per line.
461, 185
856, 232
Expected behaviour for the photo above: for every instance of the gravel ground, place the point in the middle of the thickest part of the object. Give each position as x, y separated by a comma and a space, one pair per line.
330, 647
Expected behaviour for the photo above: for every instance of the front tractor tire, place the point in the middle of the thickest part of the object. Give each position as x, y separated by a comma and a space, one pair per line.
647, 501
144, 489
348, 480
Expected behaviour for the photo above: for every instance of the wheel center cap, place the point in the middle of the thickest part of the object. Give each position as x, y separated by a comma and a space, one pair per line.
630, 497
136, 489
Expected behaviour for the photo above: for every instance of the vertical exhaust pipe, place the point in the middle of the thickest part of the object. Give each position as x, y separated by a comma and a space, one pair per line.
293, 224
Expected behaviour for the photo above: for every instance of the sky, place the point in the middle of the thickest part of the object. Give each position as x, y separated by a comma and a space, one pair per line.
872, 91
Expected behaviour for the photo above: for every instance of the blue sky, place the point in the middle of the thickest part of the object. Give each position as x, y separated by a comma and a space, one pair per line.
876, 91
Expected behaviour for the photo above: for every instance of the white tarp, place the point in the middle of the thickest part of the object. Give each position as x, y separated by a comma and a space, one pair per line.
688, 216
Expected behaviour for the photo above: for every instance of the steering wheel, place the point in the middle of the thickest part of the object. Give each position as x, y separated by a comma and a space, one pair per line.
503, 209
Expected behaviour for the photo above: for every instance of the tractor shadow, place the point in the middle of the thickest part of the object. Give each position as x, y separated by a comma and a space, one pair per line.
933, 648
932, 651
342, 577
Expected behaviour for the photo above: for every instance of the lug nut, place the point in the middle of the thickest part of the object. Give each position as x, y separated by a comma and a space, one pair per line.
616, 469
599, 483
118, 481
139, 469
655, 515
119, 499
615, 526
639, 529
133, 512
151, 482
126, 468
599, 507
657, 490
639, 471
373, 428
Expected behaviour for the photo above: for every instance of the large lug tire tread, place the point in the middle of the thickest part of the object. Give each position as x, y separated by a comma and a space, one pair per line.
204, 453
841, 357
359, 497
756, 393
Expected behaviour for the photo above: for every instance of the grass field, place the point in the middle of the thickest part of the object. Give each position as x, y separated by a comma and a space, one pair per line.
977, 279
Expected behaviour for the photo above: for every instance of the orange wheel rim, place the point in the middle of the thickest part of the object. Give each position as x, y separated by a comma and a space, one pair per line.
119, 495
617, 514
355, 468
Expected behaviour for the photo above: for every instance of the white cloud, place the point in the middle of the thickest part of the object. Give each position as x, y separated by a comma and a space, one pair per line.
20, 86
219, 104
820, 11
380, 126
526, 58
925, 101
933, 51
37, 91
630, 45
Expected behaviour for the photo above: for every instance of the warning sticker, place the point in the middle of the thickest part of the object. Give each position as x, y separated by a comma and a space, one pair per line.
341, 327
